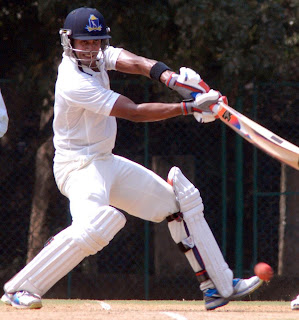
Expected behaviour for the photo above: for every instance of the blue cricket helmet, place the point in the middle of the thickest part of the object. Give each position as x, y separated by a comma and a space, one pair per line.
86, 24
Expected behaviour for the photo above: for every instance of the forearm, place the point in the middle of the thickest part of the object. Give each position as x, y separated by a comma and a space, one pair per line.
128, 62
149, 112
125, 108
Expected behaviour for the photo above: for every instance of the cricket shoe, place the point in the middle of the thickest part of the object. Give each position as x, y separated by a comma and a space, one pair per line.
241, 287
295, 304
6, 298
22, 300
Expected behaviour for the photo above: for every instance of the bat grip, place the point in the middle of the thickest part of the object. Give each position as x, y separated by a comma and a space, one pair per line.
215, 108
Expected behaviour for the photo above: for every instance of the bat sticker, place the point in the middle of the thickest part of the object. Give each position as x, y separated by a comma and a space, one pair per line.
259, 136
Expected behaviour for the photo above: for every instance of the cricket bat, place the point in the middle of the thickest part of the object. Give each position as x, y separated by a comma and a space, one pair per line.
259, 136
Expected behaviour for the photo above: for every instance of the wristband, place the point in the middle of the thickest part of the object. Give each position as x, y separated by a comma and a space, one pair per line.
157, 69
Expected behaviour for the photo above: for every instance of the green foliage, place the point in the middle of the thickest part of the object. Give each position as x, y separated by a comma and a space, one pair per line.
238, 40
226, 41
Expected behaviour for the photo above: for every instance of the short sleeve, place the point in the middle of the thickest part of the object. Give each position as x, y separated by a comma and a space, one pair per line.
111, 56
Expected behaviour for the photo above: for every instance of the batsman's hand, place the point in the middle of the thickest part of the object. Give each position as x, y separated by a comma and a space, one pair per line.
205, 117
186, 83
205, 106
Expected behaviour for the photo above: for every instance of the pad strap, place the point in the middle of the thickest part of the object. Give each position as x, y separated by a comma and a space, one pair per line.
202, 276
182, 247
186, 244
157, 69
177, 216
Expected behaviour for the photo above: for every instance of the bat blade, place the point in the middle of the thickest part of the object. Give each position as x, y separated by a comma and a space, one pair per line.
259, 136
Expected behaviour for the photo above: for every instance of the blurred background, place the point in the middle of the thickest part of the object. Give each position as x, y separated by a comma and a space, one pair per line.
248, 50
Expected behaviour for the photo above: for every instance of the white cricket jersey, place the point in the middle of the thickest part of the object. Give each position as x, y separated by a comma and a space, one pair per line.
83, 101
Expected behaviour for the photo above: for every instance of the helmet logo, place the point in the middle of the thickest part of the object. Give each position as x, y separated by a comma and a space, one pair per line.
94, 24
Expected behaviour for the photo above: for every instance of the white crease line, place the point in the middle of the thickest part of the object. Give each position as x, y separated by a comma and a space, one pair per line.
104, 305
175, 316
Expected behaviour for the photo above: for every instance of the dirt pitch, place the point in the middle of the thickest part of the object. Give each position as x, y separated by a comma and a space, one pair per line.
150, 310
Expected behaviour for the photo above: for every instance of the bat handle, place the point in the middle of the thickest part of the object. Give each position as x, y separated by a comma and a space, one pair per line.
216, 108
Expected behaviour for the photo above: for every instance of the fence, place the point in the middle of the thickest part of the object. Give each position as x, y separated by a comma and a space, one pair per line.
245, 192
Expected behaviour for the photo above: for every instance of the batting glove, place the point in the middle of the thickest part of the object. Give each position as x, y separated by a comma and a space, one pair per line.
205, 106
205, 117
186, 83
201, 102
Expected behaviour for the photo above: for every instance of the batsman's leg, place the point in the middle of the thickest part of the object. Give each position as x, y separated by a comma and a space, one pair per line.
67, 249
194, 237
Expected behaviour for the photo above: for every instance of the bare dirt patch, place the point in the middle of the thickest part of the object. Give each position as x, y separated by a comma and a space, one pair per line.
150, 310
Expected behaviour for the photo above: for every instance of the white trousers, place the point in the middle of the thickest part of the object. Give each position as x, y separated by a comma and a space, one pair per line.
94, 187
116, 181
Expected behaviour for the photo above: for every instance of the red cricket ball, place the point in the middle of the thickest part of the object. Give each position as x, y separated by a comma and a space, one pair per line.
263, 271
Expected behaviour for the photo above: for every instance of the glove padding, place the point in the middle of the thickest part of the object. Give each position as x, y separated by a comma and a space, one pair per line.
204, 105
186, 83
201, 102
205, 117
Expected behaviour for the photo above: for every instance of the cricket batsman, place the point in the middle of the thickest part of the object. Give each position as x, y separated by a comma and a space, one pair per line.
100, 184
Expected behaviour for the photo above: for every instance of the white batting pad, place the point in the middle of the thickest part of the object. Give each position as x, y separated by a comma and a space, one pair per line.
208, 248
195, 230
67, 249
178, 234
186, 194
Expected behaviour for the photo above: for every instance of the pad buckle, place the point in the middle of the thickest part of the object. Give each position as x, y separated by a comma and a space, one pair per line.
186, 244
